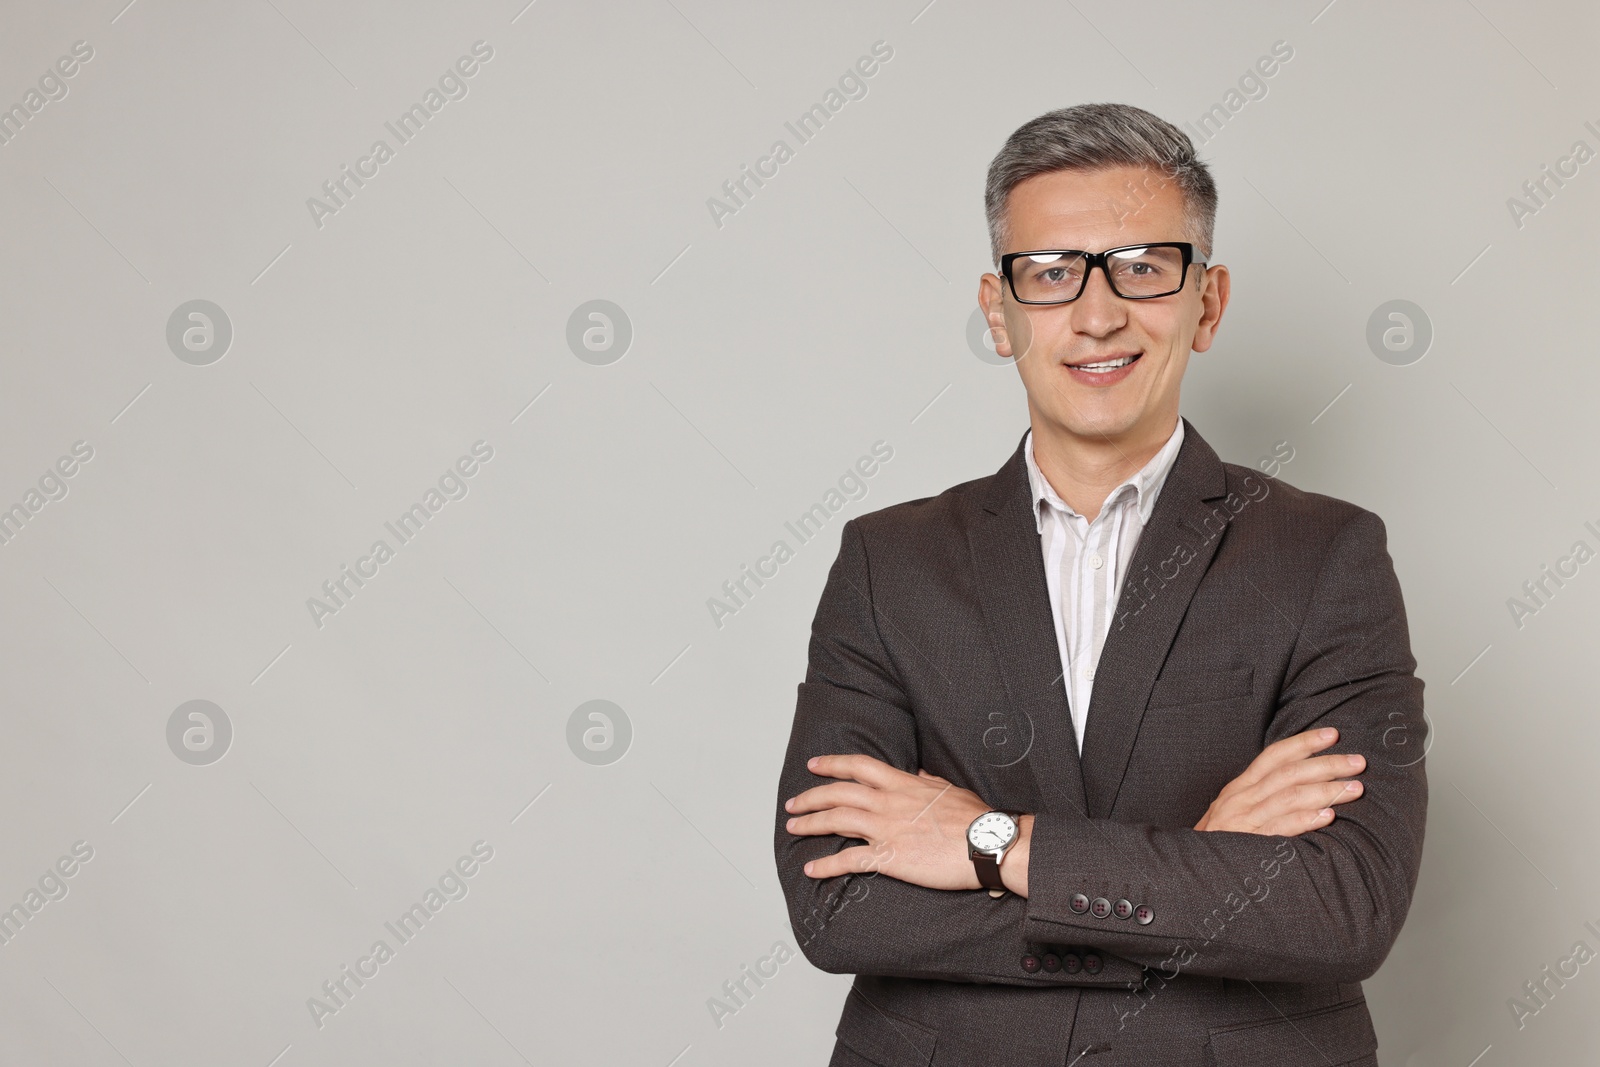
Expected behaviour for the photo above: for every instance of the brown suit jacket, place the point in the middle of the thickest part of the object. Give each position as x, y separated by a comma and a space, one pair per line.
1251, 611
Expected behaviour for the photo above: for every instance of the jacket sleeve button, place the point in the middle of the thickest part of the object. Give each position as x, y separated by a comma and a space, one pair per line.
1030, 963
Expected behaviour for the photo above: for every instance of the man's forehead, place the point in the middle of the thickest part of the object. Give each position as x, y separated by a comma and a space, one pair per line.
1076, 209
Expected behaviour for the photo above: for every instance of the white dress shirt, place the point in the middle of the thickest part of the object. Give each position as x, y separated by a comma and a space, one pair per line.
1084, 563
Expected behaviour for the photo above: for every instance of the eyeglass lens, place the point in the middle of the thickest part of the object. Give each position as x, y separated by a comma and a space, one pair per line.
1134, 272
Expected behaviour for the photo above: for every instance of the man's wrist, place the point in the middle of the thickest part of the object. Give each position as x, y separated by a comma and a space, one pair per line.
1014, 866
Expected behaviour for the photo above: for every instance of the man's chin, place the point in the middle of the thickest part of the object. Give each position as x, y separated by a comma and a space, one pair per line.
1099, 426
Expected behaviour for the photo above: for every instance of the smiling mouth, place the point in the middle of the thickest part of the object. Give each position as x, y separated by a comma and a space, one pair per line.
1106, 366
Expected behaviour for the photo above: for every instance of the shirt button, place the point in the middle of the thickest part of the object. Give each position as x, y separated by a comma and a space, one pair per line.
1089, 674
1095, 561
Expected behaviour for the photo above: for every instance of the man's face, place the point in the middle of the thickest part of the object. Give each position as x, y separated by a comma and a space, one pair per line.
1094, 211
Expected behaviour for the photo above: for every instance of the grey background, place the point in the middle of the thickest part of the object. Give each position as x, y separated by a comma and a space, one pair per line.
767, 355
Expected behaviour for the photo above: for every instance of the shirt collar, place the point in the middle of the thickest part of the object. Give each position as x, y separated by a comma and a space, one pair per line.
1145, 484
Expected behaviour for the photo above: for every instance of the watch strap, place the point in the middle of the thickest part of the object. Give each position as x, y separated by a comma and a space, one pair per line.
988, 867
988, 870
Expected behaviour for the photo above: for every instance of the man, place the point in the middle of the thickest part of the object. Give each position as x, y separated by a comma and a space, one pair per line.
1063, 769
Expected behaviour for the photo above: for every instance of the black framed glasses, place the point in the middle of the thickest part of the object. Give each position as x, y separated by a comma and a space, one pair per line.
1135, 272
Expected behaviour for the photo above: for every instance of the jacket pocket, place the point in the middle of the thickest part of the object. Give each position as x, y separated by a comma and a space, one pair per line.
1341, 1034
882, 1036
1200, 687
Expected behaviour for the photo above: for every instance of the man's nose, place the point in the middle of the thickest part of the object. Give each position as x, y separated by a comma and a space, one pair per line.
1098, 311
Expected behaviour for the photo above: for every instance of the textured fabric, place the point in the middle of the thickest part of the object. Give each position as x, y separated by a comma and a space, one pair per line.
1084, 562
1251, 611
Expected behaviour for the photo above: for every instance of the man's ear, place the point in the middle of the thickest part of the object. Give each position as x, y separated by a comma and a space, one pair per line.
1213, 301
990, 299
1008, 344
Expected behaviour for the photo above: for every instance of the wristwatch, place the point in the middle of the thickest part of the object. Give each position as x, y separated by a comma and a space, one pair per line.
988, 838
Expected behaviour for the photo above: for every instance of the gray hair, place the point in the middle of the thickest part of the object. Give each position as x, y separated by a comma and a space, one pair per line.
1089, 137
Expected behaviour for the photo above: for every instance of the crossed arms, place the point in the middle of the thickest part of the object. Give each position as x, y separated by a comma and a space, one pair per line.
904, 901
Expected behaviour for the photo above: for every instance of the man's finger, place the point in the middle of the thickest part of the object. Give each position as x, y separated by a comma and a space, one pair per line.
1307, 771
1296, 747
832, 795
1290, 749
1305, 798
858, 859
856, 766
1296, 823
846, 822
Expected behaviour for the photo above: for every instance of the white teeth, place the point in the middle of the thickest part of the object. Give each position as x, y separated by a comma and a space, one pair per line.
1112, 364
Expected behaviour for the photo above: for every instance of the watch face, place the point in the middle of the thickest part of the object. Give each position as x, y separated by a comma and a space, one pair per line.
992, 831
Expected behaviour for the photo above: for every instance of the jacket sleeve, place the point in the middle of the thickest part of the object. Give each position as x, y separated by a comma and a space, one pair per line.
1326, 905
871, 923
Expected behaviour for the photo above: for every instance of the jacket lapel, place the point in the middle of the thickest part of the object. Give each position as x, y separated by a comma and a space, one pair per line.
1016, 605
1173, 553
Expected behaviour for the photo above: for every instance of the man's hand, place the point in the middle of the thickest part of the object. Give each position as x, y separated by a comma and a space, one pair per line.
915, 825
1286, 790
